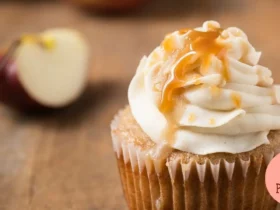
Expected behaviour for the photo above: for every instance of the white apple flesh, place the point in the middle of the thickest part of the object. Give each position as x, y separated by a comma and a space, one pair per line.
47, 71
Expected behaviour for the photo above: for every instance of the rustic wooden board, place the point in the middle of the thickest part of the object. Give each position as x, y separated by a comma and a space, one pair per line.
64, 160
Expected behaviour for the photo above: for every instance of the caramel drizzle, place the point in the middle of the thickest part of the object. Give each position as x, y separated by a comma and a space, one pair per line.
197, 52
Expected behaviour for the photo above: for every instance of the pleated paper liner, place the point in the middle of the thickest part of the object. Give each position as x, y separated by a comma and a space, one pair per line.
155, 178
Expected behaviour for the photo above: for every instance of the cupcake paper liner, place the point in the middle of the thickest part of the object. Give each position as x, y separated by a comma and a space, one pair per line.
163, 183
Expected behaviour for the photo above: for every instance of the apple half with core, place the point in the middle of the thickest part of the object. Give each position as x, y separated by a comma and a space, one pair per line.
44, 70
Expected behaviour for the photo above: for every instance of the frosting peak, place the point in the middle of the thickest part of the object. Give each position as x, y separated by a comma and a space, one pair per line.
201, 91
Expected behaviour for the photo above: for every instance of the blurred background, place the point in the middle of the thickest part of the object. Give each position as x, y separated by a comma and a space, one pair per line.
64, 159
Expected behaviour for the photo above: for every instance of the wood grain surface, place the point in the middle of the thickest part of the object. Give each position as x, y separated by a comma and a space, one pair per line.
64, 160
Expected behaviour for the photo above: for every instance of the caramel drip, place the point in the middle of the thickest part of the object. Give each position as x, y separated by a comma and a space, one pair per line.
212, 121
169, 132
225, 70
192, 118
236, 99
168, 44
197, 52
215, 91
205, 65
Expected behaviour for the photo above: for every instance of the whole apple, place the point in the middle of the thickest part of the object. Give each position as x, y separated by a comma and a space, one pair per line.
47, 70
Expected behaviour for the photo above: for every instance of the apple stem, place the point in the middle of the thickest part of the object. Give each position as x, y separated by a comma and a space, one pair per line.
5, 59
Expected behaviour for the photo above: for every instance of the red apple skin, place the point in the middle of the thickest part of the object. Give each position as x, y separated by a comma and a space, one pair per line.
12, 92
107, 5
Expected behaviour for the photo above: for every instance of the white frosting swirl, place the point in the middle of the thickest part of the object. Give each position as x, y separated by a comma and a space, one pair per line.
212, 113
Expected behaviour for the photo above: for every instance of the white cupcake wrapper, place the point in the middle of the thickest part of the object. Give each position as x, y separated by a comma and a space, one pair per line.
152, 179
137, 161
142, 159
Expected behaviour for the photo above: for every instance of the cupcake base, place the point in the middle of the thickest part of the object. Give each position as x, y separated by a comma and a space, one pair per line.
156, 177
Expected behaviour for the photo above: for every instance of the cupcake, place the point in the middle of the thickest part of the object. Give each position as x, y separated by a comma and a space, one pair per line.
201, 126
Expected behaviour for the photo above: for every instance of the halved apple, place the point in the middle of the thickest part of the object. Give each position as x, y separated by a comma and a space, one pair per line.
48, 69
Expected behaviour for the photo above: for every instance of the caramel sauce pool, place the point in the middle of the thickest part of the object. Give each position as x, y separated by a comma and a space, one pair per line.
197, 52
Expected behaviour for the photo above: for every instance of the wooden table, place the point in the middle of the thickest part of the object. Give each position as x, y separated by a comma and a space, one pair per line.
64, 160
